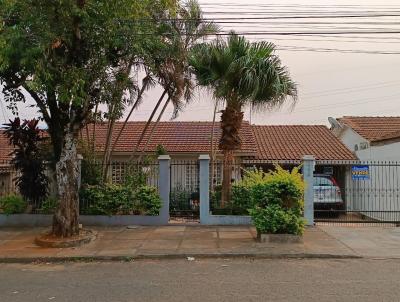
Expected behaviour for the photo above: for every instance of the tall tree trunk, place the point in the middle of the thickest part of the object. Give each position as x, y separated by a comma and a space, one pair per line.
231, 122
212, 151
106, 155
65, 220
138, 99
148, 124
153, 129
93, 142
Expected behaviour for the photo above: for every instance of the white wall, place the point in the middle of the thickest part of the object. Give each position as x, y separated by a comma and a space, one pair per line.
388, 152
381, 192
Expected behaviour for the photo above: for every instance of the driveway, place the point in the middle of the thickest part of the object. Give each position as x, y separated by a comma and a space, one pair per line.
373, 241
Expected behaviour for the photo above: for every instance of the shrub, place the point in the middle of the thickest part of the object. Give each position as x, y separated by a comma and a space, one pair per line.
275, 200
13, 204
274, 219
149, 201
241, 197
90, 171
49, 205
115, 199
28, 158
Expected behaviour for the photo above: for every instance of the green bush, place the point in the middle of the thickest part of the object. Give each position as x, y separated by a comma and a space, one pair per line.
12, 204
114, 199
273, 219
49, 205
241, 197
274, 200
148, 201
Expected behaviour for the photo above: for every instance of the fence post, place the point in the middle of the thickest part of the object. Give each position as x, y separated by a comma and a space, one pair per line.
204, 188
164, 183
308, 175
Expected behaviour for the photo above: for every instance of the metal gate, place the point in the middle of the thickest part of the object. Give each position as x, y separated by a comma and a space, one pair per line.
184, 193
363, 193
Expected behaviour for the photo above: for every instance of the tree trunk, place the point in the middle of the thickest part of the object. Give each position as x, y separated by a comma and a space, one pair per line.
65, 220
137, 102
231, 122
226, 177
212, 151
106, 155
147, 124
153, 129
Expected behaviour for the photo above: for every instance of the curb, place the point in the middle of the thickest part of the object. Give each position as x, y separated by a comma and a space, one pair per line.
128, 258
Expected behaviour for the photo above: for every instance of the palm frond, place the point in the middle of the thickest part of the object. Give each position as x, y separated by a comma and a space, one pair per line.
236, 70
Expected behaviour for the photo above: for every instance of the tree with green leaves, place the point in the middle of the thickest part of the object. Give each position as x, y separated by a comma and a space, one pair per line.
240, 73
60, 54
169, 64
28, 158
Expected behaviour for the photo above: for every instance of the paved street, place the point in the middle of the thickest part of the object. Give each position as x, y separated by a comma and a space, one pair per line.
203, 280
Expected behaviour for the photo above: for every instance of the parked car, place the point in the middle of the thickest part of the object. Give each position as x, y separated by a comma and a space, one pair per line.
327, 194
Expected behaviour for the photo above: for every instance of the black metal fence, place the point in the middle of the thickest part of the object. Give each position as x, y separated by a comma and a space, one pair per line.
184, 204
217, 205
359, 193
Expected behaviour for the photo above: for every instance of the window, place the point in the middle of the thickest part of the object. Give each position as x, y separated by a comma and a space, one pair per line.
217, 177
191, 176
323, 181
118, 172
363, 145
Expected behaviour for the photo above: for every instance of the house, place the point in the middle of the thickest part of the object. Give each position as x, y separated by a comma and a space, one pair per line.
261, 145
181, 140
370, 138
376, 143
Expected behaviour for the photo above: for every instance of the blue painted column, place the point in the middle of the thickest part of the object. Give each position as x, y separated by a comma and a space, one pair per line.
308, 175
164, 184
204, 188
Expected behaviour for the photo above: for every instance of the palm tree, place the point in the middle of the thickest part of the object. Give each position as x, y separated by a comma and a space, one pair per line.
240, 73
170, 65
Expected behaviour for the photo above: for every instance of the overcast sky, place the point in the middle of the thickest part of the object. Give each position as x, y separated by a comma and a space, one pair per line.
330, 83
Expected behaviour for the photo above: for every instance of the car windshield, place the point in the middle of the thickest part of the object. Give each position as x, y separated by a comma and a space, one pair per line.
323, 181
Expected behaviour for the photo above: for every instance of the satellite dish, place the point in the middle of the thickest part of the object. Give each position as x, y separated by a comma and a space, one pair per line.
334, 122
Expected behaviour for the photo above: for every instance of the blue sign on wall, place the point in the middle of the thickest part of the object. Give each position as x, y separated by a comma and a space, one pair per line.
360, 172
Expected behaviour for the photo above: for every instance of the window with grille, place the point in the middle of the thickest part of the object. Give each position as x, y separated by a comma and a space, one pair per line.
191, 176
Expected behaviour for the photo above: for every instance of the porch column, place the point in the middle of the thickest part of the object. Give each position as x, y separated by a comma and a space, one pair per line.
204, 188
308, 175
164, 184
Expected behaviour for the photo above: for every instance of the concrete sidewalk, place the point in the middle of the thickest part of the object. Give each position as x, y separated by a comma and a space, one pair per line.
371, 242
16, 245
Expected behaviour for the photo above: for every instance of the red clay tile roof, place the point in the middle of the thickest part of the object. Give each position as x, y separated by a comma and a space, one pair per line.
176, 137
293, 142
5, 148
374, 129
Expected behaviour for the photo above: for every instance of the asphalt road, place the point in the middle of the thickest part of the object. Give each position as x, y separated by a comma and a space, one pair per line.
203, 280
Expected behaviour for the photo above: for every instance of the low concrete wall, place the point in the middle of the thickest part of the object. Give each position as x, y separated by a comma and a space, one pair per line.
38, 220
226, 220
25, 220
99, 220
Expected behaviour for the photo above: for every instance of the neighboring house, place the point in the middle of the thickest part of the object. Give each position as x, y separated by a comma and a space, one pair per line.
376, 142
370, 138
6, 183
